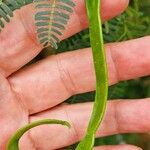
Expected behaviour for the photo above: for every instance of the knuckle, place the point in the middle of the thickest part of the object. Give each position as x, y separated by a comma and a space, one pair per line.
113, 63
65, 76
117, 120
26, 19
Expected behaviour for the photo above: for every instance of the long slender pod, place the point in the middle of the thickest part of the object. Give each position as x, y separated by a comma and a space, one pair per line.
99, 58
14, 141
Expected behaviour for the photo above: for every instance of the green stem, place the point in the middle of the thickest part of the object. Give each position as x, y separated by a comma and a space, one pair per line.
14, 141
96, 39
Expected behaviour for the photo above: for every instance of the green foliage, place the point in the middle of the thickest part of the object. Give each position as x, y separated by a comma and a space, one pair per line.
133, 23
51, 18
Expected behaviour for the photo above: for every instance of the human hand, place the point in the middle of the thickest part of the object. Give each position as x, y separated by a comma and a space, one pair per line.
35, 92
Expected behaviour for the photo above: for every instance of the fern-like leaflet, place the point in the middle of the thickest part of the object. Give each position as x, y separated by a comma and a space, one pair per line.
51, 19
5, 14
7, 7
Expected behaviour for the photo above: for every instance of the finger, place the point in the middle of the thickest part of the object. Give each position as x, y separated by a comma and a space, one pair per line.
53, 80
125, 116
118, 147
19, 47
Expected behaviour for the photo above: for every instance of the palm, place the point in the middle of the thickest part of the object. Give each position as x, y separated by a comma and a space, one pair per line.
12, 113
33, 93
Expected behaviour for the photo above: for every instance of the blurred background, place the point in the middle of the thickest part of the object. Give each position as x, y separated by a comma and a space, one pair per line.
133, 23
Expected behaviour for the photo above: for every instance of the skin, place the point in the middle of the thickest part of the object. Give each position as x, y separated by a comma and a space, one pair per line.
26, 96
